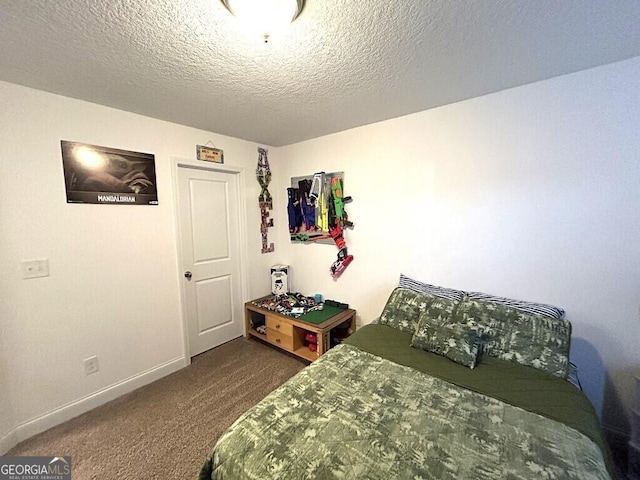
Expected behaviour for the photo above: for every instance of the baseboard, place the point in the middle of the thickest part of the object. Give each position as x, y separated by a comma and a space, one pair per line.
78, 407
8, 442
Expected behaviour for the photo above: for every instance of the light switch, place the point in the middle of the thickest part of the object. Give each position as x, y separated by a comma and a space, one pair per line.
35, 268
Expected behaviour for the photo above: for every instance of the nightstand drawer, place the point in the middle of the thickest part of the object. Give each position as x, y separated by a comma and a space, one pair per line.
280, 339
280, 325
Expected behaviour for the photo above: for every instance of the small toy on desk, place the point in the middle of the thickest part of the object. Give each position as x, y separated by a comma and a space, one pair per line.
292, 304
280, 279
334, 303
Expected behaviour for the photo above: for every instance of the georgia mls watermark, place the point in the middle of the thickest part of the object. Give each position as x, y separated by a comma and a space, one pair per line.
35, 468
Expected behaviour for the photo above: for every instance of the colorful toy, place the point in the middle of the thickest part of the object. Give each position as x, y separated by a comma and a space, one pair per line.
343, 261
341, 221
316, 187
293, 210
316, 213
307, 206
312, 341
336, 234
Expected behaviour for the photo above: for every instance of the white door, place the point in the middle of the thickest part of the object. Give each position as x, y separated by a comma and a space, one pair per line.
210, 234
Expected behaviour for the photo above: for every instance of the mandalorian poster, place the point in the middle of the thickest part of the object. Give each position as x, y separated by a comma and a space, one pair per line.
105, 175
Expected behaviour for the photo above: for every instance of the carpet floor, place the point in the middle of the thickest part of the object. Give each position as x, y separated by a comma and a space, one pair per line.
165, 430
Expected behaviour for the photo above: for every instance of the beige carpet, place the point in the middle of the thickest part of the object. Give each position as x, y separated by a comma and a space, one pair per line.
165, 430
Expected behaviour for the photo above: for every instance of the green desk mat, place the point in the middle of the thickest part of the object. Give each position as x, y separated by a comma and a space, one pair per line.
319, 316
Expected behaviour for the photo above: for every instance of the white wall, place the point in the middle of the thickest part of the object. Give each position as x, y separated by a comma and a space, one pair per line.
114, 284
530, 193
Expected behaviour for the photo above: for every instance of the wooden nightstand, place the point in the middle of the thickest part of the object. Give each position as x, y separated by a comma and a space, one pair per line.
288, 333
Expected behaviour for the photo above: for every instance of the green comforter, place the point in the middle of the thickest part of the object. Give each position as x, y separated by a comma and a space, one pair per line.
524, 387
355, 415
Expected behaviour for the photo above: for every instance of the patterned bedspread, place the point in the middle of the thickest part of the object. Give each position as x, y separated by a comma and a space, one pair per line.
353, 415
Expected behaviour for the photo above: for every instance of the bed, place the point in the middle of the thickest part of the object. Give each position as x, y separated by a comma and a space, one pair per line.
389, 403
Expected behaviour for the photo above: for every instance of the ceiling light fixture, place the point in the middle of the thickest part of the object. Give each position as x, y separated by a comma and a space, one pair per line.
267, 17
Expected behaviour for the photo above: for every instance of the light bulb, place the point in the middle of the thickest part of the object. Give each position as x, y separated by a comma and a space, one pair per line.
263, 17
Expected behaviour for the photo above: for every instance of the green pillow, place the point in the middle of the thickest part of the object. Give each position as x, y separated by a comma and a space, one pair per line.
529, 339
403, 309
439, 311
454, 341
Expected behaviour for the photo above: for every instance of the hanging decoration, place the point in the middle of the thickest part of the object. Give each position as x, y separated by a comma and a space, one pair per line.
316, 212
209, 153
263, 174
336, 228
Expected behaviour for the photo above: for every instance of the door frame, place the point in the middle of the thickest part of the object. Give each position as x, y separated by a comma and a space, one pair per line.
239, 176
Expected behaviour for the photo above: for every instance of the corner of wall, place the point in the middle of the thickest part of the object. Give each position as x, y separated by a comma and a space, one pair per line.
83, 405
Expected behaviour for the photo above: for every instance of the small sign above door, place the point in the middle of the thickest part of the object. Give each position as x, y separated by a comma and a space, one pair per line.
209, 154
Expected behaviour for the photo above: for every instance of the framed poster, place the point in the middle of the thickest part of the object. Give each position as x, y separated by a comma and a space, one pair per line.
94, 174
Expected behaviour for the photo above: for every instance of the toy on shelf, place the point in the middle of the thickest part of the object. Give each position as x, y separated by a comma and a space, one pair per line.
311, 339
290, 304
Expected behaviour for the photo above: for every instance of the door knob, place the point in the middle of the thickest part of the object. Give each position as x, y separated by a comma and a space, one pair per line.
188, 275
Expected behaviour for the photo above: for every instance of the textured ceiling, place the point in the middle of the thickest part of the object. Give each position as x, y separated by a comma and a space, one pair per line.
342, 64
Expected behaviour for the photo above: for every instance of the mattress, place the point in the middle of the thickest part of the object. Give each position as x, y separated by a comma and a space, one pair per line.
376, 408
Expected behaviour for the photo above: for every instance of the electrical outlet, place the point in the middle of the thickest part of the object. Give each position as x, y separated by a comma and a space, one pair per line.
35, 268
91, 365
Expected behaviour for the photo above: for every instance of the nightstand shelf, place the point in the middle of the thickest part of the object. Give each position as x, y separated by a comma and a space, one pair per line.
289, 333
